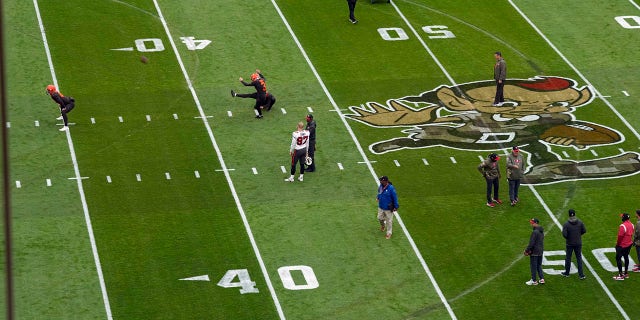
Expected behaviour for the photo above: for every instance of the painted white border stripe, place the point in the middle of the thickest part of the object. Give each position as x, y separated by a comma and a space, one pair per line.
205, 122
453, 160
426, 163
76, 169
396, 163
282, 168
443, 299
625, 93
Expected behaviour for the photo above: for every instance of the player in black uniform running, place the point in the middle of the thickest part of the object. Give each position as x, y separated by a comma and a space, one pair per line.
263, 98
66, 104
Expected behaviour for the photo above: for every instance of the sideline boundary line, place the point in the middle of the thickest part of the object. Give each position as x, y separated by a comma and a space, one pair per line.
78, 177
236, 198
366, 160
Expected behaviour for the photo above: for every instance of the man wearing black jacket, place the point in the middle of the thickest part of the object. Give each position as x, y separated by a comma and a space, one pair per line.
535, 251
572, 231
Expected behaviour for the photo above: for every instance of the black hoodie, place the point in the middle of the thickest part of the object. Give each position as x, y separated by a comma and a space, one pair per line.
572, 230
536, 242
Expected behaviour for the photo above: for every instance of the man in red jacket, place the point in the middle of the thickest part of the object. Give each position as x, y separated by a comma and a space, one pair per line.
623, 246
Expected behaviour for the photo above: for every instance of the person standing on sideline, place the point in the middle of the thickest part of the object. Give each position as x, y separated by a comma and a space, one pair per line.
352, 8
535, 250
636, 241
298, 151
66, 104
491, 172
515, 161
263, 98
500, 75
572, 231
387, 205
311, 127
623, 246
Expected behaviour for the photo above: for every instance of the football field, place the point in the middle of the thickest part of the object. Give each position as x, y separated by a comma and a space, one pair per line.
166, 197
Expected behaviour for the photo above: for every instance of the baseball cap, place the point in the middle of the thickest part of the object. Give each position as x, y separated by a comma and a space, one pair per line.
515, 149
625, 216
534, 220
494, 157
384, 178
572, 213
310, 116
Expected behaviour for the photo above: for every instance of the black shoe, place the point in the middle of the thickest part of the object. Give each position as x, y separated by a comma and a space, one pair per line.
582, 277
259, 116
233, 93
309, 170
566, 275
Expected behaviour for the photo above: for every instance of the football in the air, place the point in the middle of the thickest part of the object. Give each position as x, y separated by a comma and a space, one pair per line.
144, 59
583, 133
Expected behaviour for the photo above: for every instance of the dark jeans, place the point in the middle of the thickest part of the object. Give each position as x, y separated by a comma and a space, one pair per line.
499, 92
514, 186
67, 108
492, 184
352, 7
620, 254
261, 100
535, 263
567, 259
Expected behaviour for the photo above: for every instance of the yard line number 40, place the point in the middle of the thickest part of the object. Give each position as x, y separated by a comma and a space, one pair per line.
246, 285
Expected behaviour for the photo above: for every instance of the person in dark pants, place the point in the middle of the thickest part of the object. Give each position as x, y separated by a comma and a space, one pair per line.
352, 8
636, 242
572, 231
491, 172
264, 99
500, 75
623, 246
298, 151
535, 251
66, 104
311, 127
515, 161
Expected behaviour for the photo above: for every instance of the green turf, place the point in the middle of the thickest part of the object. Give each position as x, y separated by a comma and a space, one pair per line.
182, 218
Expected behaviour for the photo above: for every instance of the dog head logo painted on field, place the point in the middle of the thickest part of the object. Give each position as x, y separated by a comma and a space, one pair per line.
537, 114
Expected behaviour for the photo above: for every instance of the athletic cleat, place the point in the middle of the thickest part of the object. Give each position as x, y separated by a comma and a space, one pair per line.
513, 203
626, 275
541, 281
497, 201
636, 269
566, 275
388, 236
619, 277
301, 178
233, 94
290, 179
490, 204
259, 116
531, 283
582, 277
64, 128
59, 118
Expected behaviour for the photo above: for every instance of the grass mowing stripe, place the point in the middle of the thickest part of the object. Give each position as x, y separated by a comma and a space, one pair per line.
205, 121
575, 69
78, 177
364, 156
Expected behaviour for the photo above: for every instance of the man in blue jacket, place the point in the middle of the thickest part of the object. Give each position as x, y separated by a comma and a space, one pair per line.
387, 205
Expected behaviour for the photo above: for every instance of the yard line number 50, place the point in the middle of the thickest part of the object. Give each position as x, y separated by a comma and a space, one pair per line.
246, 285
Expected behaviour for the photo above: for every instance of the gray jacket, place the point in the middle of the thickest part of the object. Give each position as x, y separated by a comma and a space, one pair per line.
500, 70
513, 172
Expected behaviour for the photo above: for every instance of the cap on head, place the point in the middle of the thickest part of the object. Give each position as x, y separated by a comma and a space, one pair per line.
498, 53
534, 221
494, 157
384, 178
309, 116
624, 216
572, 213
51, 88
515, 149
254, 76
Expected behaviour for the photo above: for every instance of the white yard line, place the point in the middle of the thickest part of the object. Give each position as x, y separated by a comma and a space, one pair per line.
78, 177
205, 121
364, 156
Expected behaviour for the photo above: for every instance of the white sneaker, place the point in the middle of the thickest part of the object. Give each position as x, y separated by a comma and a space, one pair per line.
290, 179
64, 128
531, 283
59, 118
301, 178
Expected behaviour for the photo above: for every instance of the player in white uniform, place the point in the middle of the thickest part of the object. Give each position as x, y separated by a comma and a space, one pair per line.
298, 151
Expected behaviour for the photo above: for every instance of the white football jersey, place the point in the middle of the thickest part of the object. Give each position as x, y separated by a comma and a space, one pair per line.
299, 140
